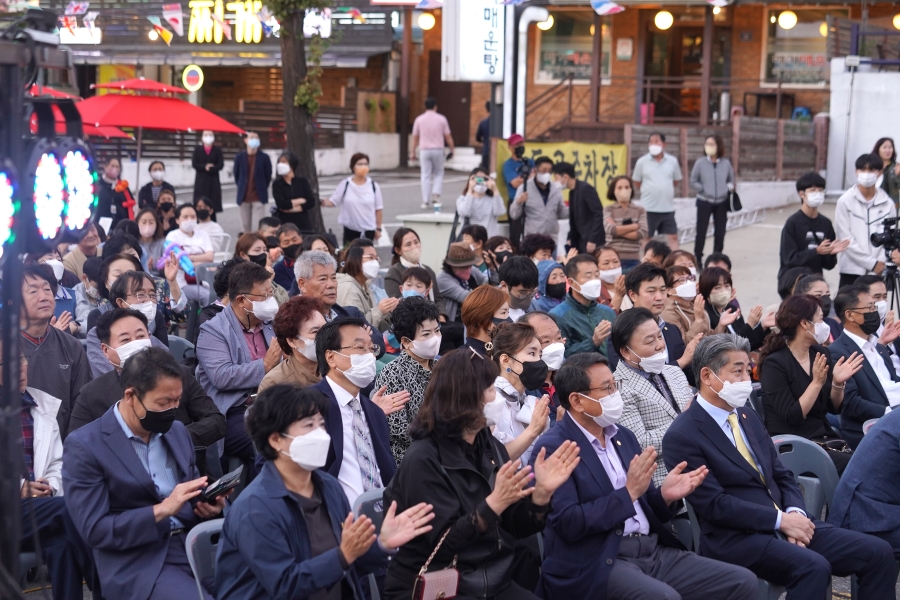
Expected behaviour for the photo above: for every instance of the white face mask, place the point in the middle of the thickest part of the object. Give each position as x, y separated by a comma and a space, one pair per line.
309, 348
426, 349
362, 369
612, 409
590, 289
126, 351
264, 310
282, 169
91, 292
653, 363
554, 355
493, 411
687, 290
58, 268
610, 276
821, 332
735, 394
370, 269
148, 309
157, 175
479, 188
543, 178
310, 451
866, 178
209, 139
623, 195
148, 231
815, 199
188, 225
693, 271
655, 149
881, 305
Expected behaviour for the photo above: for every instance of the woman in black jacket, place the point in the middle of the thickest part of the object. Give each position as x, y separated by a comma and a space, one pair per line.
293, 195
149, 193
481, 501
208, 162
800, 382
716, 288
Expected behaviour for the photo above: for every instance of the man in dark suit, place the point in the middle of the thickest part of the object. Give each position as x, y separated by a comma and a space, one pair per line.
585, 210
131, 486
867, 498
874, 389
610, 510
360, 455
252, 174
122, 333
750, 508
316, 274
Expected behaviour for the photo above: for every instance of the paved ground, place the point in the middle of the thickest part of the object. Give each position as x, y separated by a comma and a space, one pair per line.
753, 251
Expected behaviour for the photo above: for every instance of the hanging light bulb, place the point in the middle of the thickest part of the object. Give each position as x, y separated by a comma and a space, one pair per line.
896, 21
663, 20
426, 21
787, 19
153, 35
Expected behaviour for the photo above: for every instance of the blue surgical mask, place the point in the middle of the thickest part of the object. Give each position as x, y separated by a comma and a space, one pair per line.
409, 293
253, 143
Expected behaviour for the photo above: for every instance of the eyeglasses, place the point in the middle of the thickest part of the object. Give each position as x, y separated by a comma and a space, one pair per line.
142, 297
264, 296
525, 294
615, 386
370, 258
684, 279
362, 349
863, 309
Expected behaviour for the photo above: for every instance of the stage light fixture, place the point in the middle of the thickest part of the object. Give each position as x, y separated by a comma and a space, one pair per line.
81, 183
9, 206
49, 192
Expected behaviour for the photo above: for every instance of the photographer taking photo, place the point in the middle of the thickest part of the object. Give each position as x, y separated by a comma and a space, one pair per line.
516, 171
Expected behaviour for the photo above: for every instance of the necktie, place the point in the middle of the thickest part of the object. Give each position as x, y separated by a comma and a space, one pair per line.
660, 384
742, 445
364, 450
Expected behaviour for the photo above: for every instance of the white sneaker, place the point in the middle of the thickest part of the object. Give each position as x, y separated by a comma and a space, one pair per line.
424, 206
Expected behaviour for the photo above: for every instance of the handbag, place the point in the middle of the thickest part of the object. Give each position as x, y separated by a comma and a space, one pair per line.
437, 584
734, 202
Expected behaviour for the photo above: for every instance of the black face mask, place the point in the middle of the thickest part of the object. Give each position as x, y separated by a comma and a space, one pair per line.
533, 374
166, 206
291, 251
202, 215
519, 151
497, 321
556, 290
158, 421
259, 259
872, 322
502, 256
825, 301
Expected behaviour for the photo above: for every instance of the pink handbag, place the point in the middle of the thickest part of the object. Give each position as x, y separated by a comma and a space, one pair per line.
437, 585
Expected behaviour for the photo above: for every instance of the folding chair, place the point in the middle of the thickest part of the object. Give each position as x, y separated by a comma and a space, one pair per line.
371, 504
181, 349
808, 462
201, 544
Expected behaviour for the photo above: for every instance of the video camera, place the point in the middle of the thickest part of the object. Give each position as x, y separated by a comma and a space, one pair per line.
889, 236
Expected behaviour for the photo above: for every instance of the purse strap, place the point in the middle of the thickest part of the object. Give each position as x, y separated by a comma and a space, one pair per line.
434, 552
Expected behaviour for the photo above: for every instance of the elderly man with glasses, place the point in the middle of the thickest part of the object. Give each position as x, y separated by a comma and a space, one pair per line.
236, 348
360, 455
875, 389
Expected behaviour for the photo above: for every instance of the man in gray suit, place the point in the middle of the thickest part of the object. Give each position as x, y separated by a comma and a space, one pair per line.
235, 350
867, 499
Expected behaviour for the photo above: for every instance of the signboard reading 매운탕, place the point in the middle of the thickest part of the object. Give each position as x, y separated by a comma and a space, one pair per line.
474, 40
595, 164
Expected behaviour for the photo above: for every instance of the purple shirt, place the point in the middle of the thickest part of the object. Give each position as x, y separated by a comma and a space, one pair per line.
617, 475
256, 342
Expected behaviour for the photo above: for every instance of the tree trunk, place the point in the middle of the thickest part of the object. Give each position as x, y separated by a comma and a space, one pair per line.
298, 121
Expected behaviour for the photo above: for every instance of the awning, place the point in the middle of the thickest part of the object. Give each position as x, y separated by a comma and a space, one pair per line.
356, 59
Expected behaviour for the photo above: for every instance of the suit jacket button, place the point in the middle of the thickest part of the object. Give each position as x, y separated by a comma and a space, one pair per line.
609, 561
618, 532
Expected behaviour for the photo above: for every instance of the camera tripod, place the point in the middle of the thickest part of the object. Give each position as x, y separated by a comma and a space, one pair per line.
892, 283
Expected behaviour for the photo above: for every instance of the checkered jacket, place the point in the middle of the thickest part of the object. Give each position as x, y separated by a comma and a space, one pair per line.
647, 413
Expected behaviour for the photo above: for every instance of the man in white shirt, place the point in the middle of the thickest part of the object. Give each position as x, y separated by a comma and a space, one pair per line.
859, 213
360, 455
875, 389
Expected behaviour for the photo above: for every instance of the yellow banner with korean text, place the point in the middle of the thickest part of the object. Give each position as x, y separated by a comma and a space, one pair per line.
596, 164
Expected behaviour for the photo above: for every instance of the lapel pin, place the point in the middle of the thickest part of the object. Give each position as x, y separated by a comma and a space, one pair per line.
618, 442
744, 415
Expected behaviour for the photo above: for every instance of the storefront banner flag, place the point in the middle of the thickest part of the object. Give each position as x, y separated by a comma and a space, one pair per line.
76, 8
174, 17
89, 21
226, 28
69, 23
265, 19
164, 33
595, 164
605, 7
429, 4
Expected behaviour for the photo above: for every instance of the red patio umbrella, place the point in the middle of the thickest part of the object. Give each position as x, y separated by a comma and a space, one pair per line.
150, 112
44, 90
89, 130
140, 84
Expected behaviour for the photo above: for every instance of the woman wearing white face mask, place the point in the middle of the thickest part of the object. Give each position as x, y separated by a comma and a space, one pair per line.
360, 201
712, 178
654, 393
612, 288
292, 193
625, 223
293, 496
416, 327
149, 193
360, 267
540, 200
480, 202
719, 296
198, 247
800, 381
685, 308
296, 324
208, 162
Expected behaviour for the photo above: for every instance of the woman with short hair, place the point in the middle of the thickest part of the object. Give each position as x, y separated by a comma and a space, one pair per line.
360, 266
296, 324
293, 195
360, 201
484, 309
713, 179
